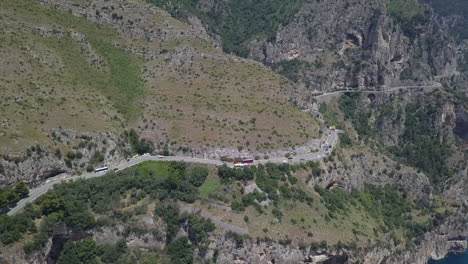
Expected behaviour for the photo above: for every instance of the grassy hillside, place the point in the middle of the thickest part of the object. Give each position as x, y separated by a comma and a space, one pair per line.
60, 70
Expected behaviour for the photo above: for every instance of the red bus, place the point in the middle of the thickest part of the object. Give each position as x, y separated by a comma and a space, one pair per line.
248, 161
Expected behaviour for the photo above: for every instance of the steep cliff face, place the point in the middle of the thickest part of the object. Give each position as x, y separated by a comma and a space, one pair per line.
421, 128
336, 45
353, 168
451, 236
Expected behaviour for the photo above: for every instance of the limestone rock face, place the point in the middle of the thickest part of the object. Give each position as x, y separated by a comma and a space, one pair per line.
337, 45
35, 167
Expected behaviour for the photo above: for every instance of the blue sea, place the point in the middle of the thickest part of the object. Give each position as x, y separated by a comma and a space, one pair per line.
452, 259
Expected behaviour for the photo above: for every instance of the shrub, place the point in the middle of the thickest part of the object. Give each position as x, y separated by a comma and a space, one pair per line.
197, 175
71, 155
84, 251
139, 146
277, 213
12, 228
181, 251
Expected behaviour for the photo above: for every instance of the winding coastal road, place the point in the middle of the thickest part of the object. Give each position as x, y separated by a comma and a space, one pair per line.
328, 145
330, 141
393, 89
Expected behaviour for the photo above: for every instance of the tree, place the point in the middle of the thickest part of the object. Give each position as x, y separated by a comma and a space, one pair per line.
71, 155
84, 251
3, 201
51, 203
198, 228
181, 251
11, 196
77, 215
149, 260
186, 192
22, 189
112, 253
140, 146
170, 214
12, 228
198, 175
224, 172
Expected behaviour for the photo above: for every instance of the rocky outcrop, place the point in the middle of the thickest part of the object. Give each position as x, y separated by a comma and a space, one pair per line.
448, 237
356, 168
37, 164
451, 236
266, 252
337, 45
133, 20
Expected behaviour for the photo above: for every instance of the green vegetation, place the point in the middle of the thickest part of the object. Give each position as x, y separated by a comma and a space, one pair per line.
87, 77
420, 144
454, 7
291, 69
74, 204
87, 251
290, 208
239, 21
12, 228
121, 83
84, 251
11, 195
124, 85
119, 79
181, 251
331, 115
198, 175
139, 146
271, 179
408, 13
349, 105
386, 204
210, 187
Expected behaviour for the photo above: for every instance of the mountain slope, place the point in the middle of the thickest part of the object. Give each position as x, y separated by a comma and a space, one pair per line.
93, 67
343, 44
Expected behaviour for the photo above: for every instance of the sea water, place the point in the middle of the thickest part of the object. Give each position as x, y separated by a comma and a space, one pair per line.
452, 259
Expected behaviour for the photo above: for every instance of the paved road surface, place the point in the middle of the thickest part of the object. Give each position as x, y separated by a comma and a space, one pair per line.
331, 140
393, 89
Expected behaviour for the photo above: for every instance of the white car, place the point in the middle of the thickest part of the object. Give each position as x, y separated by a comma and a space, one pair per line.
160, 157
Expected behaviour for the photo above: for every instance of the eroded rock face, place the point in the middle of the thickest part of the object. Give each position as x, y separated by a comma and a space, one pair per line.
449, 237
34, 167
250, 251
132, 20
358, 45
461, 123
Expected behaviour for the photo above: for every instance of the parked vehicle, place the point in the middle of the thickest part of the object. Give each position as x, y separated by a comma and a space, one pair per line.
103, 169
